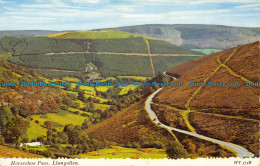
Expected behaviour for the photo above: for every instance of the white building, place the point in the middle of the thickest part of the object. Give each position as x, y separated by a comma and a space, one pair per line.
31, 144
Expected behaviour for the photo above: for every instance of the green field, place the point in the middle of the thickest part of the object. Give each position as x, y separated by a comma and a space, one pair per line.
101, 34
135, 77
207, 51
101, 106
102, 88
88, 90
126, 89
102, 100
107, 79
59, 121
35, 130
71, 79
121, 152
80, 111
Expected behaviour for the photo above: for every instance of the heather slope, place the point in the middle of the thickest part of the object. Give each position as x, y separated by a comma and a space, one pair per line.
132, 124
228, 113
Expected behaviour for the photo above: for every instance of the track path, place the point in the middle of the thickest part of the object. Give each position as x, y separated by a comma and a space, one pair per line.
241, 152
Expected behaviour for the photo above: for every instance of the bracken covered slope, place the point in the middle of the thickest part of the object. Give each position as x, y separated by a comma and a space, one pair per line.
229, 113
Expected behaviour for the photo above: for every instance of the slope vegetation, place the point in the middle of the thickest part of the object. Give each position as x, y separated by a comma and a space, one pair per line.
228, 113
100, 34
6, 152
132, 124
112, 52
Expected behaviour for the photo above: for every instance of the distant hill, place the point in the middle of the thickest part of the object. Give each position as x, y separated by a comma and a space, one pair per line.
26, 33
98, 34
112, 52
229, 113
194, 36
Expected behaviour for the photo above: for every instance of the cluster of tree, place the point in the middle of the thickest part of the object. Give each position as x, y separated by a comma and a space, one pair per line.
165, 63
176, 150
162, 47
115, 65
12, 128
125, 45
153, 144
38, 45
28, 100
75, 139
59, 74
77, 62
117, 101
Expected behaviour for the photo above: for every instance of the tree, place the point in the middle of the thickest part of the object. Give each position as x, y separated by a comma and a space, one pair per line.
81, 95
106, 143
190, 146
2, 140
96, 144
176, 150
15, 130
47, 124
5, 116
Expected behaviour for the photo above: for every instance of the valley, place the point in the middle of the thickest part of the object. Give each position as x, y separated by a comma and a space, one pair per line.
112, 121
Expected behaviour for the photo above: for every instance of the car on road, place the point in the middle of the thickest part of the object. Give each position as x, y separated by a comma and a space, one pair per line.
159, 123
154, 119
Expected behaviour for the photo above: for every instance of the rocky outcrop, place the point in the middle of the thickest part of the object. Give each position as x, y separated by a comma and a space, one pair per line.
198, 36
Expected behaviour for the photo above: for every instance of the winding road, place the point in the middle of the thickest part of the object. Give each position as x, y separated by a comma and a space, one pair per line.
241, 152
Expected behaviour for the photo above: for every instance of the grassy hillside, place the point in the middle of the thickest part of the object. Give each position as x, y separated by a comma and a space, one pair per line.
132, 124
208, 68
39, 100
112, 52
227, 113
100, 34
6, 152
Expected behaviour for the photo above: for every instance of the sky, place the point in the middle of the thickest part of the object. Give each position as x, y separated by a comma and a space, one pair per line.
97, 14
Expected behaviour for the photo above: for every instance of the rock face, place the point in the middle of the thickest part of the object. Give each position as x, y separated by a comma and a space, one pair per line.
198, 36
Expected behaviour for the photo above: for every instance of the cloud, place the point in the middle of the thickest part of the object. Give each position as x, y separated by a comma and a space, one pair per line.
86, 1
58, 3
192, 2
2, 2
198, 12
248, 6
222, 1
9, 8
142, 17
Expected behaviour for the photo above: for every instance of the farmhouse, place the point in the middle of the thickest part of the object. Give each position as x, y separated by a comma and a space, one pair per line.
31, 144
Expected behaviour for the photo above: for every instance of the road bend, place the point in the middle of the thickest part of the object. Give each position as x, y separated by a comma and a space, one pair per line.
241, 152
